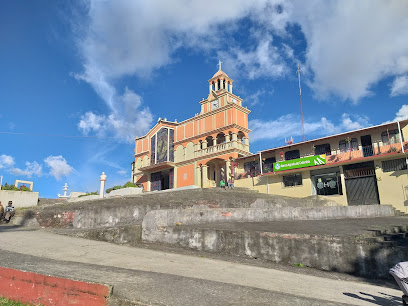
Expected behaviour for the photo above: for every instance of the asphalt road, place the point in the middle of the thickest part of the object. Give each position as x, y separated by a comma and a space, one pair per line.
152, 277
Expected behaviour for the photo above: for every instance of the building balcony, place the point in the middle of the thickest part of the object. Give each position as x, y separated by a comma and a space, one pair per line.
222, 147
366, 152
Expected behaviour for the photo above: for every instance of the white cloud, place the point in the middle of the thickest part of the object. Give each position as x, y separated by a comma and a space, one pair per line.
402, 113
6, 161
290, 125
399, 86
58, 166
264, 60
127, 120
123, 172
353, 44
350, 47
31, 169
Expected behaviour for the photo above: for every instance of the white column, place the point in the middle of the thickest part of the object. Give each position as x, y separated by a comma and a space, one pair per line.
228, 170
198, 176
231, 88
215, 141
246, 141
204, 172
234, 137
205, 144
210, 87
216, 85
227, 138
102, 188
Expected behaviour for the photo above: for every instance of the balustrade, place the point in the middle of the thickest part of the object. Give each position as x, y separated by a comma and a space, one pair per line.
221, 147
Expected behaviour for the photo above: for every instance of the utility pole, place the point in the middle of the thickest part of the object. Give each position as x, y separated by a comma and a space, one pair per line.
301, 108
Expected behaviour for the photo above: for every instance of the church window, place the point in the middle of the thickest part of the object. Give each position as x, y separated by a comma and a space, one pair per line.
162, 146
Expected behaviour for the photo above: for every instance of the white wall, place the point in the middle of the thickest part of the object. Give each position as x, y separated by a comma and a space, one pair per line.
20, 198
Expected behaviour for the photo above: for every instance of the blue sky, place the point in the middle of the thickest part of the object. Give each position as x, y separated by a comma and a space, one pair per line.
79, 80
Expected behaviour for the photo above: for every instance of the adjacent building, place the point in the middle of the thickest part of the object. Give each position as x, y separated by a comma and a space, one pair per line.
365, 166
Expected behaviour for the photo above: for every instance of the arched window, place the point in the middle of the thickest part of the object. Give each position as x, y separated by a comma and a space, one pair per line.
241, 136
220, 138
210, 141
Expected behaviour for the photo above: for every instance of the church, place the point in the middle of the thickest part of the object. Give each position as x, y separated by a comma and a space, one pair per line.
198, 151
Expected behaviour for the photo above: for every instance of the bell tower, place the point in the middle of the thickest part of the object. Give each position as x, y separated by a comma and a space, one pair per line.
220, 81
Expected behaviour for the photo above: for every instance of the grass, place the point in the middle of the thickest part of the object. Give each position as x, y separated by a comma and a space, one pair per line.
7, 302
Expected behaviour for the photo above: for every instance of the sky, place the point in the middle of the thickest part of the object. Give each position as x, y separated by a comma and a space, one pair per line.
79, 80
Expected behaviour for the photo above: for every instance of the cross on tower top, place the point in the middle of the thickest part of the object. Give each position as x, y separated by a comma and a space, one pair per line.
219, 64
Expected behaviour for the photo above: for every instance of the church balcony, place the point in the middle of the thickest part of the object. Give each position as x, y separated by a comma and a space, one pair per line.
225, 146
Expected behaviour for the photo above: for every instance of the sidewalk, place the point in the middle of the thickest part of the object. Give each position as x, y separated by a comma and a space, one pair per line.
158, 278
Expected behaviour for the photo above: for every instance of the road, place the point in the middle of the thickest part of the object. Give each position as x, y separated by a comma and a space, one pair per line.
152, 277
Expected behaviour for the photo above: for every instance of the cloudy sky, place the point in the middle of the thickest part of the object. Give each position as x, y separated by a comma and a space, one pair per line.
79, 80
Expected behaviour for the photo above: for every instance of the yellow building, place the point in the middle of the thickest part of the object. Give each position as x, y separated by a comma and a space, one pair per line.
197, 151
366, 166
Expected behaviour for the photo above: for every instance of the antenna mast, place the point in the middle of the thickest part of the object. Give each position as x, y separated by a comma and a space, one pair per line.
301, 108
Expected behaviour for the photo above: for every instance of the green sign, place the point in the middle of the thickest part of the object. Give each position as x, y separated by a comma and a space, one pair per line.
300, 163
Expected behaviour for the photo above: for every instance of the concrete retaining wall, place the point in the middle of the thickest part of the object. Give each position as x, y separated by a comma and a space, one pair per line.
346, 255
41, 289
84, 198
124, 192
155, 221
20, 198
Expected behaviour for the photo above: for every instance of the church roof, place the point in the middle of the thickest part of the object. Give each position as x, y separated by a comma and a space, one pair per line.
218, 73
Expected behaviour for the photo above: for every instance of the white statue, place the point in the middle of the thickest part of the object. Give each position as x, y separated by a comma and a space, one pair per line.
65, 189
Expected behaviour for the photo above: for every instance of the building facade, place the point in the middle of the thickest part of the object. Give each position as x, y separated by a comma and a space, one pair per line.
197, 151
366, 166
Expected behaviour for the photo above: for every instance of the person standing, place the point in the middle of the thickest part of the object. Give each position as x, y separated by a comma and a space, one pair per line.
9, 212
231, 182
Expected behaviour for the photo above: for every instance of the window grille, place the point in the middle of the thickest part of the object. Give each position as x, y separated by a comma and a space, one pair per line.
394, 165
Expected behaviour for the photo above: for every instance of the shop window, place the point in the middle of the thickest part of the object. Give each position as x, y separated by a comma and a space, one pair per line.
344, 146
328, 184
323, 149
292, 180
292, 154
394, 165
390, 137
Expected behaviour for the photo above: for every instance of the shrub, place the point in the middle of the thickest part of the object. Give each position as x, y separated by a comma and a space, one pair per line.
88, 193
113, 188
12, 187
128, 184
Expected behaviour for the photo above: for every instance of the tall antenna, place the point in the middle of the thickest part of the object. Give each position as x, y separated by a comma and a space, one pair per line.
301, 108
